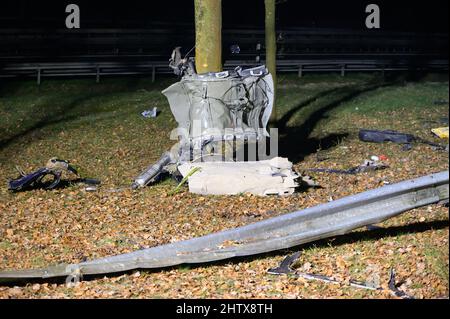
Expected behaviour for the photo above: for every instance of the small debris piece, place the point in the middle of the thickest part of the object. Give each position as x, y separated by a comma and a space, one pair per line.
441, 132
309, 181
285, 269
366, 166
268, 177
150, 113
393, 288
91, 189
285, 265
54, 167
377, 136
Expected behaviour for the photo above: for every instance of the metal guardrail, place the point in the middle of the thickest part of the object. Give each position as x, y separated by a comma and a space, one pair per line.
300, 66
344, 65
72, 69
326, 220
97, 52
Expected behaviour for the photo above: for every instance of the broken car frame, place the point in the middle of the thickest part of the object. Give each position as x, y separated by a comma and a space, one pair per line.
218, 113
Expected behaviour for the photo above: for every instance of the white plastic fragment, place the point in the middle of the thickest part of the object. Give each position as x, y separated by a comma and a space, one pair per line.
268, 177
150, 113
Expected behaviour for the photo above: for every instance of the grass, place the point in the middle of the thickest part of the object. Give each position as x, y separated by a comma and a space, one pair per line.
84, 121
99, 128
437, 259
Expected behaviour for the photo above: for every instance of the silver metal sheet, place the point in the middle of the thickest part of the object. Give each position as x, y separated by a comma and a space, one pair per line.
334, 218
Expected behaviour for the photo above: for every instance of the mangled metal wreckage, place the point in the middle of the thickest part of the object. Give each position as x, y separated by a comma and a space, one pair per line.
222, 131
205, 107
289, 230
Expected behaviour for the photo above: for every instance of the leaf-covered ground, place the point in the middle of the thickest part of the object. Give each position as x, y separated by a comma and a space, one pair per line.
98, 127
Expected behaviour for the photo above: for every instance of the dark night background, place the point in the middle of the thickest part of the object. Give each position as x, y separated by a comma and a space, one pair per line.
395, 15
412, 34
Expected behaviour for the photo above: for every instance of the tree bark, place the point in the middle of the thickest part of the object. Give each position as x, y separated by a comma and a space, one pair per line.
208, 35
271, 48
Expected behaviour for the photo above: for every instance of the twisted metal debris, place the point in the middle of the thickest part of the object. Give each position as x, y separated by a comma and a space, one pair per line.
326, 220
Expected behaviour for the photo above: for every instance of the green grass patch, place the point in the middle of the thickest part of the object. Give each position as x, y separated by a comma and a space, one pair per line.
437, 258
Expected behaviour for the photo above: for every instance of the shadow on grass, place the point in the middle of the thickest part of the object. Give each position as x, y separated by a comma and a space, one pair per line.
70, 111
359, 236
296, 143
48, 119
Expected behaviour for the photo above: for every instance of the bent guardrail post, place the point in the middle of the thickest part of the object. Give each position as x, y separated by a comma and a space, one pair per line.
326, 220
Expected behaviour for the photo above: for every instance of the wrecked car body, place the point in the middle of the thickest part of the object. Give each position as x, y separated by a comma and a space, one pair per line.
221, 116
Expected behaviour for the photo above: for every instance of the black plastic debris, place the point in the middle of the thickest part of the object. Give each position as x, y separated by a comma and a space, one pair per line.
285, 269
377, 136
365, 167
285, 265
54, 168
393, 287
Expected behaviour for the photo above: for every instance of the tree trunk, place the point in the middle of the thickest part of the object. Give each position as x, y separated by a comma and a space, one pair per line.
208, 35
271, 48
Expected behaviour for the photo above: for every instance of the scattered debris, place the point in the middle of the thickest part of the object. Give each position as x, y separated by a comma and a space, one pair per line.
91, 188
441, 132
377, 136
219, 114
285, 268
365, 167
285, 265
268, 177
289, 230
393, 288
54, 167
308, 181
151, 113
